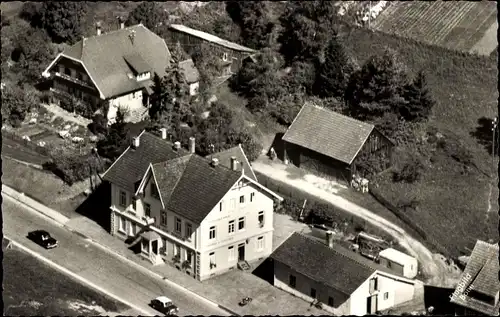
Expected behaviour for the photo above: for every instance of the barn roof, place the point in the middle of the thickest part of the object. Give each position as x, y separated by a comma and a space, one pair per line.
328, 133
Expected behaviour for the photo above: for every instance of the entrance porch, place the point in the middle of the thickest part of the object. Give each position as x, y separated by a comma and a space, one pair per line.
151, 243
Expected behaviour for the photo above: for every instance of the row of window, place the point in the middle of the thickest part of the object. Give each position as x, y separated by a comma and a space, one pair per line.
232, 202
231, 251
232, 224
73, 73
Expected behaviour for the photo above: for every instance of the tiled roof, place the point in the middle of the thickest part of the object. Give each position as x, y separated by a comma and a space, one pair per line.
200, 188
138, 64
336, 267
103, 56
480, 275
224, 158
167, 175
130, 167
328, 133
191, 73
211, 38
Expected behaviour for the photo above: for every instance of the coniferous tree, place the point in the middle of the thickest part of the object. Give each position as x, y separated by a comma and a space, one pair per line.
419, 101
63, 19
334, 72
116, 140
150, 13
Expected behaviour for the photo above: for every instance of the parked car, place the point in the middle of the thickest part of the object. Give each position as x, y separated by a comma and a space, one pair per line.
164, 305
43, 238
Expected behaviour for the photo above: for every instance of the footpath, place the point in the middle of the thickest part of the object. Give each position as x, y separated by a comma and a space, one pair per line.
224, 291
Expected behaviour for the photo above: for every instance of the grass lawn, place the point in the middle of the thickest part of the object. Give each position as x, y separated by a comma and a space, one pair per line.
43, 186
32, 288
453, 206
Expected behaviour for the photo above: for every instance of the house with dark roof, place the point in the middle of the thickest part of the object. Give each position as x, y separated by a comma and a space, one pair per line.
206, 216
342, 280
331, 144
114, 68
230, 54
477, 293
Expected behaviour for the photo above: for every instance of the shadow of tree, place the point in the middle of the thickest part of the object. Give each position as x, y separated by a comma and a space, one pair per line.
484, 134
96, 206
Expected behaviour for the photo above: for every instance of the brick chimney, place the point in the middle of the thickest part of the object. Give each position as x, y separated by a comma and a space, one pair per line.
177, 145
192, 145
234, 163
98, 28
163, 133
329, 239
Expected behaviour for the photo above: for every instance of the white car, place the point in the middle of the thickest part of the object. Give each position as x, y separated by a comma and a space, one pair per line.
164, 305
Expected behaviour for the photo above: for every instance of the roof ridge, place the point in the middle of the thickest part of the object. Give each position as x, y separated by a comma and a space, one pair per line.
118, 30
337, 252
339, 114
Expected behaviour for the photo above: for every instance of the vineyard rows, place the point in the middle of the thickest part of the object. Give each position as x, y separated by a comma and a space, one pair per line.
457, 25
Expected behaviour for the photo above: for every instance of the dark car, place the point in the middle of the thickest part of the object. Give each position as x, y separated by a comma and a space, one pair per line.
42, 238
164, 305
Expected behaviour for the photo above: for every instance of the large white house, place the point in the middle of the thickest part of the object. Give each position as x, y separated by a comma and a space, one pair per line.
205, 216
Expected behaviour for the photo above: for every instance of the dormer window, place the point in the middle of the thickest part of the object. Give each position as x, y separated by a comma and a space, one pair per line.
143, 76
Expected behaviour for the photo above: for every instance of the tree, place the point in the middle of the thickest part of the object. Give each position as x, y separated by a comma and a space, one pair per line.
254, 21
168, 100
30, 12
307, 26
150, 13
334, 72
419, 101
208, 65
116, 139
302, 76
15, 105
63, 20
378, 87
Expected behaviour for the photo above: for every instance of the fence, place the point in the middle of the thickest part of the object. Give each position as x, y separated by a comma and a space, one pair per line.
45, 151
409, 222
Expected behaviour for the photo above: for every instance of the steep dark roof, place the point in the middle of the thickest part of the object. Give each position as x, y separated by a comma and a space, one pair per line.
336, 267
328, 133
103, 56
200, 188
168, 174
224, 158
130, 167
190, 71
480, 275
138, 64
211, 38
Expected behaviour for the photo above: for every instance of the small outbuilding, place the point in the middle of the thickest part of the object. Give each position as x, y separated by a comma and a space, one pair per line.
399, 262
331, 144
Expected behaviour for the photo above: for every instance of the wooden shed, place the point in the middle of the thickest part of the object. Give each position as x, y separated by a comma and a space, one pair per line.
330, 144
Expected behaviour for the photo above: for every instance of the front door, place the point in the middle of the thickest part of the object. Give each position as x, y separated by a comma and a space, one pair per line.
371, 304
154, 246
241, 252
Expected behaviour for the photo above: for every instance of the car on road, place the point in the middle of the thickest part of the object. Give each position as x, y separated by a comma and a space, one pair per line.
43, 238
164, 305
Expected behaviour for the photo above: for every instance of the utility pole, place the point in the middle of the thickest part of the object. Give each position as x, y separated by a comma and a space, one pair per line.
369, 15
494, 128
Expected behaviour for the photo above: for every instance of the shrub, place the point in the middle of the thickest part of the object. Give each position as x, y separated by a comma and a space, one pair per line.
411, 171
73, 168
456, 150
99, 124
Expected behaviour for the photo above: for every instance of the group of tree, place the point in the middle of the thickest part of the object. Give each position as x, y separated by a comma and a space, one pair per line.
151, 14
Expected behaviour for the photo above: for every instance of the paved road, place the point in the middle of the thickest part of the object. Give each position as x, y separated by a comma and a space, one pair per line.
100, 268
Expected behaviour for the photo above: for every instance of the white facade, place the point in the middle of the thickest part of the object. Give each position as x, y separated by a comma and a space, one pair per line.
194, 88
399, 261
131, 103
209, 254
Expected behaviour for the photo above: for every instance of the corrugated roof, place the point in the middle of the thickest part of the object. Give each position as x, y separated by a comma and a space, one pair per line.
328, 132
396, 256
190, 71
224, 158
336, 267
103, 56
130, 167
211, 38
480, 275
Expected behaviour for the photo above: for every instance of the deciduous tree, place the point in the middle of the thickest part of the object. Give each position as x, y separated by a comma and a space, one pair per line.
63, 20
150, 13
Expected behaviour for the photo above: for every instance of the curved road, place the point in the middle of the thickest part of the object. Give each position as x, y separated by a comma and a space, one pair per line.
428, 265
135, 287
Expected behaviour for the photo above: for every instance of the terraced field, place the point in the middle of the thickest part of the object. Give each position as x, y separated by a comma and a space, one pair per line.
468, 26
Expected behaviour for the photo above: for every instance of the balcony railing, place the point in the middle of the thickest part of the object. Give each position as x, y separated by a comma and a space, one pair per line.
74, 80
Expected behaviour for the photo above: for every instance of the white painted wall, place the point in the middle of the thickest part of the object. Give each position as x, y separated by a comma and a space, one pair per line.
131, 102
194, 88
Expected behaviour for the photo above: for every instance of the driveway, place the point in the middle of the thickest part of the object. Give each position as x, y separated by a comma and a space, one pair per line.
431, 265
